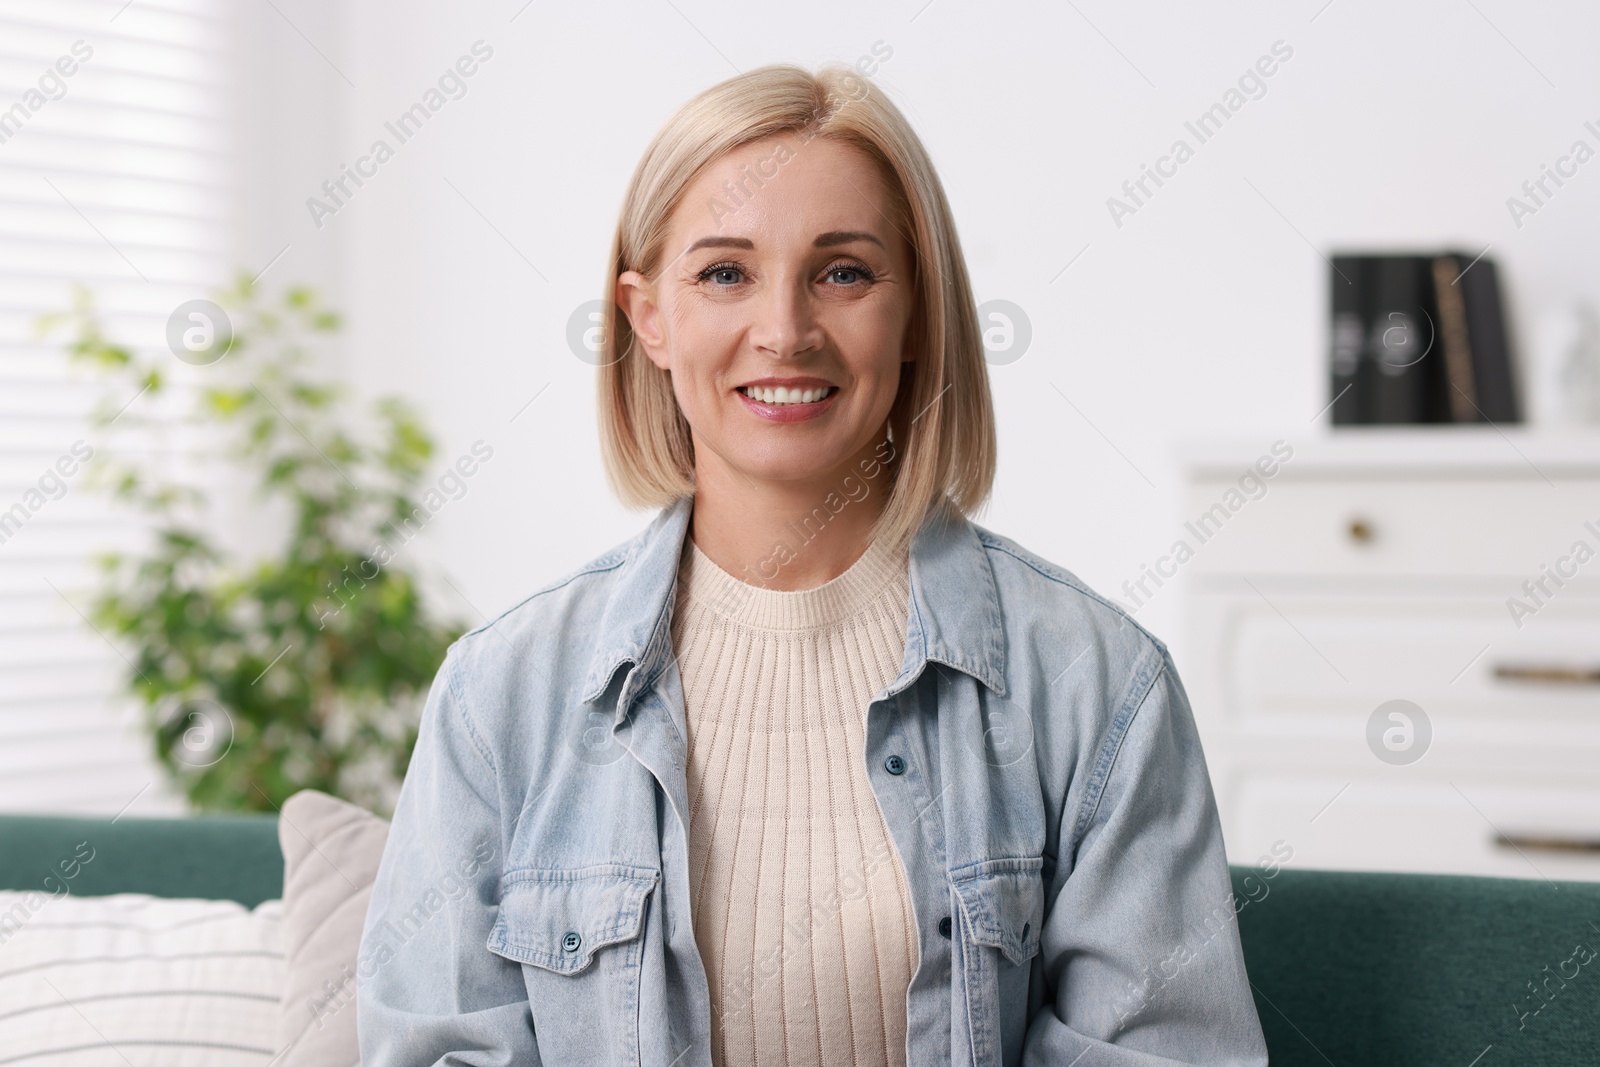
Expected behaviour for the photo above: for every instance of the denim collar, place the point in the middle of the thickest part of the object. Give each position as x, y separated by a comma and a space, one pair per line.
953, 617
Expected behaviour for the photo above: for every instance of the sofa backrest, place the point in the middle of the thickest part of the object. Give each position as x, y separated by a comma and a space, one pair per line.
1377, 968
218, 857
1348, 968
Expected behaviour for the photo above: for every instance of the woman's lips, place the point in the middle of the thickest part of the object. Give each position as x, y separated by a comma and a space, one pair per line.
787, 412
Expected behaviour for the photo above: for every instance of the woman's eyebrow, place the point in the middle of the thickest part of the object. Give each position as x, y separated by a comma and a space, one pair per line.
824, 240
721, 242
844, 237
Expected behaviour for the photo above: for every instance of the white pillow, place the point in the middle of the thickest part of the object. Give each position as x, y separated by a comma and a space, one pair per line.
131, 978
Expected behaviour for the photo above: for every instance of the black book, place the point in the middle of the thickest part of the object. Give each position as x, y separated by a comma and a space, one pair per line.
1418, 339
1348, 330
1400, 340
1486, 333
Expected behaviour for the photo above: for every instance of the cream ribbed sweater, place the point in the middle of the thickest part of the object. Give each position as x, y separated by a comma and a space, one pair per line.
801, 910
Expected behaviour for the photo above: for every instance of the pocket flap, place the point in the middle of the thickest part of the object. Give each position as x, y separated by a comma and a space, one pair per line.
557, 919
1003, 903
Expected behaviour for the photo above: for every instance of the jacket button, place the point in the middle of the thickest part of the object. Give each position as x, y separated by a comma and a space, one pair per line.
894, 765
944, 926
571, 941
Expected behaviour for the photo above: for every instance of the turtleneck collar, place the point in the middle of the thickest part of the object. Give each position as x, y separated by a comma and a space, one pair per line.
704, 584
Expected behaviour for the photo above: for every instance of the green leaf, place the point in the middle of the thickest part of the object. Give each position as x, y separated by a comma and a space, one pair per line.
317, 658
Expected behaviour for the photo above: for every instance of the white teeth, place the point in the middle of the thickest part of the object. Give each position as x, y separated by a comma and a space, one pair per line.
784, 395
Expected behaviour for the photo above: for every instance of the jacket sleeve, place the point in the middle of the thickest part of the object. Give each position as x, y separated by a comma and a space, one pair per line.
1140, 944
428, 990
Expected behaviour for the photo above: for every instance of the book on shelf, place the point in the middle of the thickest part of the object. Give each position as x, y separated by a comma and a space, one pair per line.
1418, 339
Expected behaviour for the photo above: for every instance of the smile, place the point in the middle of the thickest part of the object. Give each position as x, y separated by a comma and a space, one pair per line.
782, 396
787, 403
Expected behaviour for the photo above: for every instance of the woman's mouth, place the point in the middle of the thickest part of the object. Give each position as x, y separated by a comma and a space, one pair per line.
783, 395
785, 404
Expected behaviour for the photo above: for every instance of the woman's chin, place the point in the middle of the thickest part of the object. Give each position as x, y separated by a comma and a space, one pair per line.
796, 468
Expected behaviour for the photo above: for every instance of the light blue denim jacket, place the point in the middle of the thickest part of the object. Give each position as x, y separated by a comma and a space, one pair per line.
1052, 800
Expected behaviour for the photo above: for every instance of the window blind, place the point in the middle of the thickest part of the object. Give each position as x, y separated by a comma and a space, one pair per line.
113, 172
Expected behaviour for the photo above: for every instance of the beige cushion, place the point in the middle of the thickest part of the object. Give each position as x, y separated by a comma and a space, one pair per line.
330, 859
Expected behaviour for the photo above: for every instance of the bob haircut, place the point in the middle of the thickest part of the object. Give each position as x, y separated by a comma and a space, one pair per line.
942, 420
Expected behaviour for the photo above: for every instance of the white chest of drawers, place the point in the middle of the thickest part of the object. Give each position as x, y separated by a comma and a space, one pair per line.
1454, 568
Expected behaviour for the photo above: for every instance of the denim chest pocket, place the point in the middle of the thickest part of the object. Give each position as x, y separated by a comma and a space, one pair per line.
579, 935
1003, 904
560, 919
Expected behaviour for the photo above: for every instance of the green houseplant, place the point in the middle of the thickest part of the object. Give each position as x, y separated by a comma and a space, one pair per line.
304, 667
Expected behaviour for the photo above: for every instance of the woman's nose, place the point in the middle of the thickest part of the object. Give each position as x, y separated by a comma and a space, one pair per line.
786, 323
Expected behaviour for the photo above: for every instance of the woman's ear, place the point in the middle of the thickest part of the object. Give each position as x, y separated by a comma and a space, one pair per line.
636, 296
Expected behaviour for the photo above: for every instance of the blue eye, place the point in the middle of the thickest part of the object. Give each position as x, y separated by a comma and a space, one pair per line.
857, 272
718, 269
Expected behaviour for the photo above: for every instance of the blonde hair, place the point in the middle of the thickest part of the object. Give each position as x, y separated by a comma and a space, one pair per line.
942, 421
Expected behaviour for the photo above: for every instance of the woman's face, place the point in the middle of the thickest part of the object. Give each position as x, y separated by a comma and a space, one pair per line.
786, 274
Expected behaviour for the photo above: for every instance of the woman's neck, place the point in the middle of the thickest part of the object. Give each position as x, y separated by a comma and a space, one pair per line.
785, 535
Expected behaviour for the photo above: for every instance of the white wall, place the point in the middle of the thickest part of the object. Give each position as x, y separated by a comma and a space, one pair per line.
1201, 315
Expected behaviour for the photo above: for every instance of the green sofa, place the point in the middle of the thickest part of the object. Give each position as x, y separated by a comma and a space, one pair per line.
1348, 969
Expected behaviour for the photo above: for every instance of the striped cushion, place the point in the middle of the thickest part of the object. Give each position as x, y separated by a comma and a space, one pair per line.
135, 979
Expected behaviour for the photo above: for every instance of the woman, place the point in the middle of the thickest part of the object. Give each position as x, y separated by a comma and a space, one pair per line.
813, 770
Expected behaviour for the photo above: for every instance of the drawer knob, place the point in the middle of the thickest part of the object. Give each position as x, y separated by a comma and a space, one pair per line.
1360, 531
